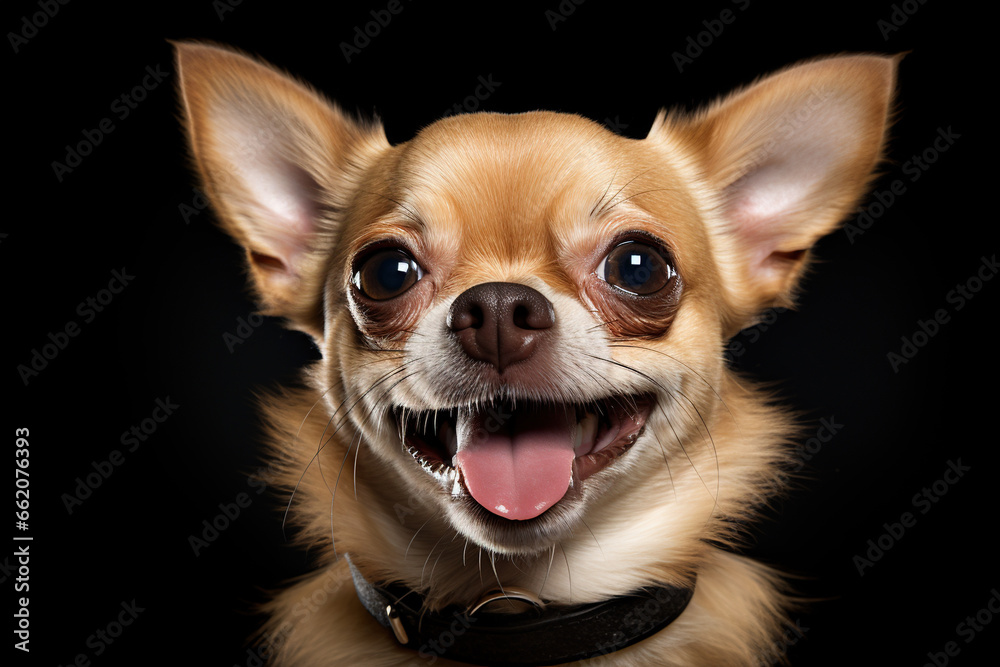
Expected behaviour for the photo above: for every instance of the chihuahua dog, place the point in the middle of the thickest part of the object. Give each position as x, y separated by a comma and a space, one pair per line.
522, 444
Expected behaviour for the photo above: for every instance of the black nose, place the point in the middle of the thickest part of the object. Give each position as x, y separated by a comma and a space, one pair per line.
500, 323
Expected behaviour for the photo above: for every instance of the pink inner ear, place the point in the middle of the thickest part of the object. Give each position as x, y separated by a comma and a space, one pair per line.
755, 209
267, 261
277, 197
286, 213
789, 255
773, 207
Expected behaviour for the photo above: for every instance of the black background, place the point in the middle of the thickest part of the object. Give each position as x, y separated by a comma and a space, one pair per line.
162, 336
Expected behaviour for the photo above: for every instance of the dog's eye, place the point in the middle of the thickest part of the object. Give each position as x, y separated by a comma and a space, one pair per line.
387, 274
636, 268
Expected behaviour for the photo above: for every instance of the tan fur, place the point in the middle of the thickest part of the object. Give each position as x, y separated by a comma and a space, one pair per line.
511, 198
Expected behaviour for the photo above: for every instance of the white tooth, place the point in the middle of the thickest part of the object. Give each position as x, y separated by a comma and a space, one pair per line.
577, 438
447, 436
588, 427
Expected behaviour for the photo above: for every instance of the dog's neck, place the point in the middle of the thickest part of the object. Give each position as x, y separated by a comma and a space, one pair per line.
521, 629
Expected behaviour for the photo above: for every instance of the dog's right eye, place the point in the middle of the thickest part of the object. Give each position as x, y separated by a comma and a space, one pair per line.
386, 274
637, 268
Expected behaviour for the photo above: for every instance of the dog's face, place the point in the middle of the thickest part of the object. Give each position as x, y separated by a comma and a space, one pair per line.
523, 317
508, 314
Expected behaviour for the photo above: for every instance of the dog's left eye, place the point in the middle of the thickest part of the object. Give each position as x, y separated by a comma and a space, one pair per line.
386, 274
636, 268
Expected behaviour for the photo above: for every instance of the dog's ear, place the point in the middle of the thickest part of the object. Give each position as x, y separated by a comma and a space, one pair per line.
789, 157
277, 162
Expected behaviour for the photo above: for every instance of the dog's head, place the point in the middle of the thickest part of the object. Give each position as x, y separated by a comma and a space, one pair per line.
523, 317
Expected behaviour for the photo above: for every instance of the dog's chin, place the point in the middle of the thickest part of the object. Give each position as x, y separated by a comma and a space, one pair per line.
517, 475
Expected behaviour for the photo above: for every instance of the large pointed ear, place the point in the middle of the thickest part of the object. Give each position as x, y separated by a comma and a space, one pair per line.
278, 163
786, 159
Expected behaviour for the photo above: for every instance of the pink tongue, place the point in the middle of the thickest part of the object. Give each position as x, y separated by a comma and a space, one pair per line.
523, 466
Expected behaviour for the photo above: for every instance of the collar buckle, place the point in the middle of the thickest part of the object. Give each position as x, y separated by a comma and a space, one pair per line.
519, 600
396, 623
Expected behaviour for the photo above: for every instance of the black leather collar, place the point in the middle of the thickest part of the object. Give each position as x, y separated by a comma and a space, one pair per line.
547, 635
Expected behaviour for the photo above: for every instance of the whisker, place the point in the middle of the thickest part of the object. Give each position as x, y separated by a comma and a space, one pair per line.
407, 552
672, 392
666, 462
309, 412
427, 560
357, 452
711, 440
676, 360
552, 555
596, 541
569, 576
493, 564
430, 579
412, 332
606, 191
315, 456
295, 439
333, 495
608, 206
324, 442
715, 453
635, 195
407, 210
602, 324
366, 417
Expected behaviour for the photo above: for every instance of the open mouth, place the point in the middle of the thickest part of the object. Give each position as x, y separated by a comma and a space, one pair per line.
519, 458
